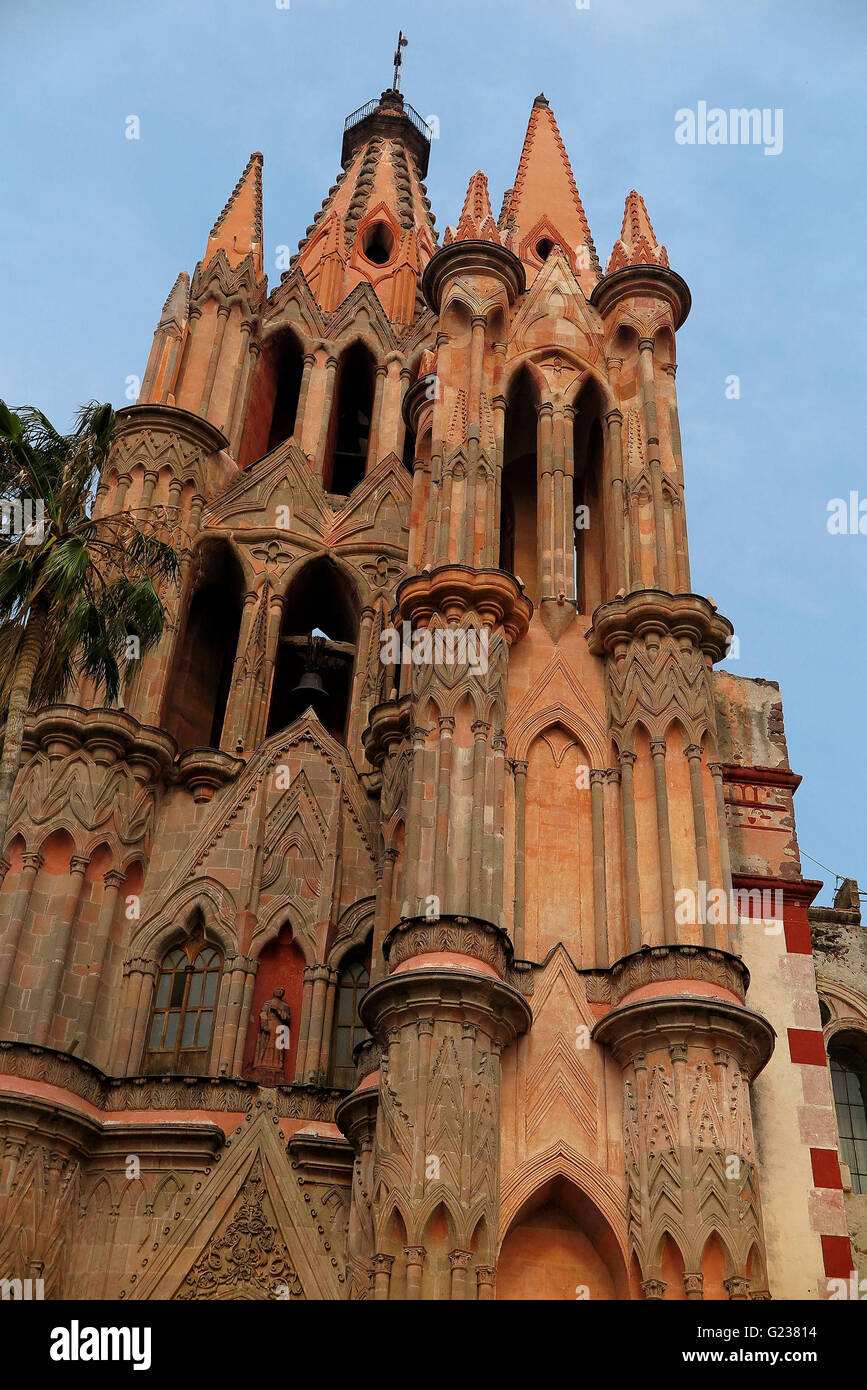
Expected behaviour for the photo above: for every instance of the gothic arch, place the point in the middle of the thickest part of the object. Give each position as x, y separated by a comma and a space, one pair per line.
275, 396
49, 846
359, 591
291, 909
321, 597
525, 362
353, 929
439, 1201
571, 1244
197, 690
519, 500
351, 427
564, 1161
717, 1264
535, 723
158, 934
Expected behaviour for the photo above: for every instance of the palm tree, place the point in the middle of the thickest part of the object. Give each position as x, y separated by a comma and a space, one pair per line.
79, 595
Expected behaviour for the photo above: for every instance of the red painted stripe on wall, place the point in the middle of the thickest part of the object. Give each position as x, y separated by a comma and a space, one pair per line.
807, 1045
826, 1168
837, 1256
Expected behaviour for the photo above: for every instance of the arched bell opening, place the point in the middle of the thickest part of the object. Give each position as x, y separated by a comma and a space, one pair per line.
349, 429
559, 1247
518, 504
273, 410
198, 689
588, 444
316, 650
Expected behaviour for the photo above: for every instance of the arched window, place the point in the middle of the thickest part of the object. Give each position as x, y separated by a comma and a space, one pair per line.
198, 691
182, 1015
849, 1081
349, 431
348, 1027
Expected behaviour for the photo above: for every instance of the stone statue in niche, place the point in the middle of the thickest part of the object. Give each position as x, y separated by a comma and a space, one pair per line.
272, 1042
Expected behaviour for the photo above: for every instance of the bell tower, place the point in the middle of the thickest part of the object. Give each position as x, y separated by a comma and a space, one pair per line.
431, 854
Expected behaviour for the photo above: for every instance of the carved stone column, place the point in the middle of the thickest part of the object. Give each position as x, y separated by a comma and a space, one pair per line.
366, 1273
689, 1048
442, 1016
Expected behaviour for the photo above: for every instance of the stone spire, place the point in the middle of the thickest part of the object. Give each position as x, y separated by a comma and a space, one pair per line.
238, 229
476, 221
637, 244
375, 220
544, 207
177, 306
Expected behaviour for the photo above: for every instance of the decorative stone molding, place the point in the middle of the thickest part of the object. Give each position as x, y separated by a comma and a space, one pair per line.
710, 1022
656, 964
688, 1147
455, 590
470, 258
204, 770
152, 435
366, 1055
107, 735
660, 648
463, 936
645, 281
158, 1092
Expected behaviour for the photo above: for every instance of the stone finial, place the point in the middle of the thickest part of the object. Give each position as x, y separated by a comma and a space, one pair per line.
637, 244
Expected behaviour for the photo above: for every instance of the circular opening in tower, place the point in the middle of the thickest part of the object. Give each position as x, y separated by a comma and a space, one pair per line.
378, 243
544, 248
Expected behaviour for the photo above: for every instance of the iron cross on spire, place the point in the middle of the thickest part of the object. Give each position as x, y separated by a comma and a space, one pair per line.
398, 59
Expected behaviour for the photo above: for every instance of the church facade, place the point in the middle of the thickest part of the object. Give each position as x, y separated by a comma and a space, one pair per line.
429, 920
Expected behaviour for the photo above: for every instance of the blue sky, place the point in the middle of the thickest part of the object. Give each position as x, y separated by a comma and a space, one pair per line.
95, 227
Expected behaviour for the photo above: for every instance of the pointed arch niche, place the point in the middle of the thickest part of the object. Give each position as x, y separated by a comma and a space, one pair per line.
349, 429
558, 847
201, 675
518, 503
281, 966
558, 1245
274, 397
318, 636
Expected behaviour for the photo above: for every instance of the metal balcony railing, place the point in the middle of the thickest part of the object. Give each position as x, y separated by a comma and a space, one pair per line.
410, 112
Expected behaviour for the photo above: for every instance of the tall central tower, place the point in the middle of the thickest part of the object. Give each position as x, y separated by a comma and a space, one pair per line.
415, 847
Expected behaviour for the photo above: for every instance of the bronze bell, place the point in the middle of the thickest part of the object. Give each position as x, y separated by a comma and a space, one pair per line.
309, 691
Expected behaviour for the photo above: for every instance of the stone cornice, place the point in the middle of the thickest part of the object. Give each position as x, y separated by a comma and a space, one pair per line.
464, 936
646, 281
618, 621
183, 1093
666, 1021
485, 258
388, 725
656, 964
109, 735
172, 419
447, 992
454, 590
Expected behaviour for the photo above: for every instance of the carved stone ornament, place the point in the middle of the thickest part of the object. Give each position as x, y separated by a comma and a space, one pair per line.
249, 1259
461, 936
